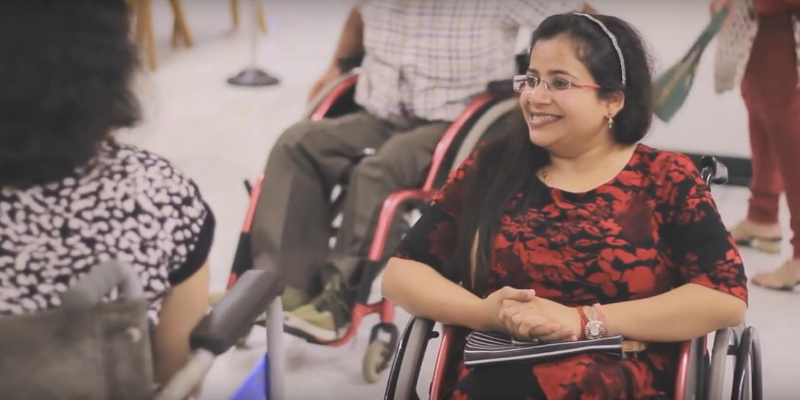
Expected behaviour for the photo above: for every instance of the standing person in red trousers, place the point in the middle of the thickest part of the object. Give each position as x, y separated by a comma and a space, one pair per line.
759, 46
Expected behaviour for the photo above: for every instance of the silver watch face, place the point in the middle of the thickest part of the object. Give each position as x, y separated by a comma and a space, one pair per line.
594, 330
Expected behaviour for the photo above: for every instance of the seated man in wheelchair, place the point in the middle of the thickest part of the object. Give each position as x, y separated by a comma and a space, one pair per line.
570, 229
412, 84
71, 195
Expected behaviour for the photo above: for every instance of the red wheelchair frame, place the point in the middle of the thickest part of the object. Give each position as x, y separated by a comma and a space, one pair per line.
338, 101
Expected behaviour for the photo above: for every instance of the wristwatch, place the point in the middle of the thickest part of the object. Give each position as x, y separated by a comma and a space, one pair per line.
595, 328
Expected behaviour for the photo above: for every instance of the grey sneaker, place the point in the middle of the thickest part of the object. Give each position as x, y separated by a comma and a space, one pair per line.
328, 316
293, 298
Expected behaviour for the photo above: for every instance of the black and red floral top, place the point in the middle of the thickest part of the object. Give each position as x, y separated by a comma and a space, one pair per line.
652, 228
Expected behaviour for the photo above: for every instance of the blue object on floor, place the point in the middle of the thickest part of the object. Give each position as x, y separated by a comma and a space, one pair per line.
256, 386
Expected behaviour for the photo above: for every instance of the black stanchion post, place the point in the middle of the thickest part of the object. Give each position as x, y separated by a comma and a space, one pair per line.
252, 75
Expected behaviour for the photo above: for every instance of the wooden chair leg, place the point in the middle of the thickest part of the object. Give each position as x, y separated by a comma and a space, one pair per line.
235, 13
181, 27
136, 6
262, 20
145, 37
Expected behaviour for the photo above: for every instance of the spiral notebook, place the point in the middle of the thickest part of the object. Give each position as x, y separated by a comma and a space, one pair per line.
485, 348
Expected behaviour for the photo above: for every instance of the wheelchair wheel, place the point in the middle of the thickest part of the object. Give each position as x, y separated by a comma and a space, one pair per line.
376, 360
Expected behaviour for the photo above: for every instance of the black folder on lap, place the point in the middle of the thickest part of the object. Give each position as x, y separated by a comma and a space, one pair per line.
485, 348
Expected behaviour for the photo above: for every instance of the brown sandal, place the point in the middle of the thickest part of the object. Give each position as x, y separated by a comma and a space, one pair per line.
742, 237
780, 279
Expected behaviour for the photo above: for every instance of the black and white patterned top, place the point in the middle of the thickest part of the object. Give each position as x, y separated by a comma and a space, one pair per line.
129, 205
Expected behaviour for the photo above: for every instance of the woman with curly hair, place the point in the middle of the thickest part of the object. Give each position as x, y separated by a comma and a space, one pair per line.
71, 196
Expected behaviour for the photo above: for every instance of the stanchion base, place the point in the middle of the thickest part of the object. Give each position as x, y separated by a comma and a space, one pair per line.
253, 77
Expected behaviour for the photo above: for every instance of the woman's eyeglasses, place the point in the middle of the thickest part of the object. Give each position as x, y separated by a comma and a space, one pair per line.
528, 82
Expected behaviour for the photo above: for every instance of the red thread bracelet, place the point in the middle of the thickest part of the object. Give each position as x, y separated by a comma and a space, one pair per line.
584, 322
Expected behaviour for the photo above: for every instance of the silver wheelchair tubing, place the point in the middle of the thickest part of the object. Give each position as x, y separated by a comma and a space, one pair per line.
747, 367
404, 373
492, 115
742, 343
719, 359
187, 379
276, 350
201, 360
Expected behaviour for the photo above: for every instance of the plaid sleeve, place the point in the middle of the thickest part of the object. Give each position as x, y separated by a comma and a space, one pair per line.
530, 13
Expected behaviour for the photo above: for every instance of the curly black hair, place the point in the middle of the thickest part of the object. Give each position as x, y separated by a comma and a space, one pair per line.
65, 72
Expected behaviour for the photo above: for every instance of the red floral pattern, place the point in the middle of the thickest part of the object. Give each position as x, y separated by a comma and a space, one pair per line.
654, 227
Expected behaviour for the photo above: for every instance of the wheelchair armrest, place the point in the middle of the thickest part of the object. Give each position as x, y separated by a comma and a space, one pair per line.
236, 313
408, 360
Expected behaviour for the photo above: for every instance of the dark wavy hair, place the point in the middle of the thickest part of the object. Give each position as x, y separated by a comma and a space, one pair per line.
65, 70
507, 166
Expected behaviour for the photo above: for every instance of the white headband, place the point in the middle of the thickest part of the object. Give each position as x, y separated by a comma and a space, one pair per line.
613, 41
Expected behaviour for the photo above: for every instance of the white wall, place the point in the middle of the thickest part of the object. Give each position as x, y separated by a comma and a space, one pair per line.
708, 123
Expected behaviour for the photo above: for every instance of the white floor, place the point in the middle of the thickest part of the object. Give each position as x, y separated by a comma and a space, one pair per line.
220, 135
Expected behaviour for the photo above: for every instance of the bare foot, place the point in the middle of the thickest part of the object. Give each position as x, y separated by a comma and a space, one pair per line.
786, 277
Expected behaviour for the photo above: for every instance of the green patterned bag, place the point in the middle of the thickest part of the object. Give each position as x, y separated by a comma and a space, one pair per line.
672, 88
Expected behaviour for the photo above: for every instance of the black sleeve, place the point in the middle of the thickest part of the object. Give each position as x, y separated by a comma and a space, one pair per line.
433, 238
198, 254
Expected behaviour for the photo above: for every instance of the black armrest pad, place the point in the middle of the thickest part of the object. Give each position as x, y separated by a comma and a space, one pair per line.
501, 88
523, 61
236, 313
350, 62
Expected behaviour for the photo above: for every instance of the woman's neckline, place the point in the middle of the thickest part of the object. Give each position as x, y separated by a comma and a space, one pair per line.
628, 164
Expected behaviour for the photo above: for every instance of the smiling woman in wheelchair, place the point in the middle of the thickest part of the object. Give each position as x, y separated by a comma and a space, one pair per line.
571, 229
